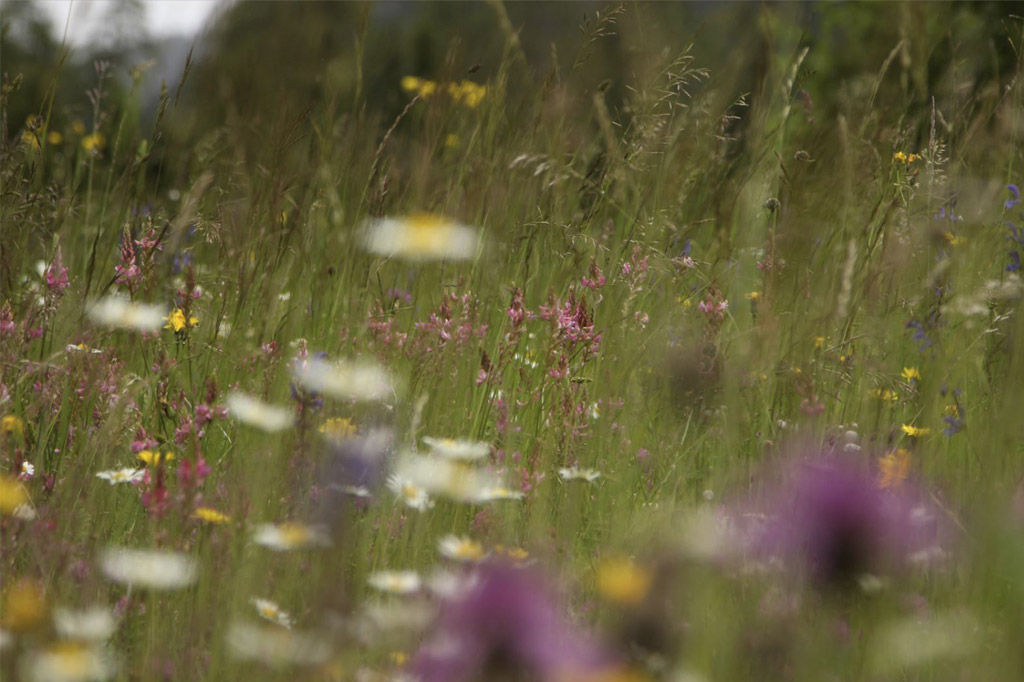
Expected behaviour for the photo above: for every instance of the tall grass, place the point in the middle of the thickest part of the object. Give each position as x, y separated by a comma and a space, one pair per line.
842, 264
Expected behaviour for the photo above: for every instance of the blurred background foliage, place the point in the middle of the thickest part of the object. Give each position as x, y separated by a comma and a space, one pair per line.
275, 66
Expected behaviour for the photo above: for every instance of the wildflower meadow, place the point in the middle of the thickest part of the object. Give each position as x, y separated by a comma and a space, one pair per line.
570, 342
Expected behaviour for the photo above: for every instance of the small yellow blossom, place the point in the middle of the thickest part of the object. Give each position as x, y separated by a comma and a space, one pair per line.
819, 342
894, 468
78, 127
621, 580
913, 431
952, 239
30, 138
338, 428
515, 554
24, 606
899, 157
11, 425
54, 138
94, 142
155, 458
911, 374
12, 495
399, 658
451, 140
209, 515
176, 321
752, 295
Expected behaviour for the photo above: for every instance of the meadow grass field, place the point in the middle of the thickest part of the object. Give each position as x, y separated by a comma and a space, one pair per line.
522, 382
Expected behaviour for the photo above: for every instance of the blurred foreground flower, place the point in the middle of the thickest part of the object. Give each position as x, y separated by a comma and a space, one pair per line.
913, 642
255, 412
832, 517
118, 311
577, 474
507, 626
12, 495
396, 582
152, 569
421, 237
457, 449
115, 476
95, 624
345, 381
288, 536
276, 646
461, 549
68, 662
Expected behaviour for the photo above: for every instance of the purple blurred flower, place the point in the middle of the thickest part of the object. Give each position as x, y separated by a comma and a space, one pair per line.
831, 519
507, 627
1010, 203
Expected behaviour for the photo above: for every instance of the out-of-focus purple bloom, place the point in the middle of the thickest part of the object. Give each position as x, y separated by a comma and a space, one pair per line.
830, 518
507, 627
924, 342
1010, 203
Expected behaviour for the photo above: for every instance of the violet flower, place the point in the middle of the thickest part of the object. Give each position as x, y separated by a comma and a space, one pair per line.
507, 627
832, 520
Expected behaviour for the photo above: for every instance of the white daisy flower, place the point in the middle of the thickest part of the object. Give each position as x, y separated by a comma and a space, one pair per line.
346, 381
255, 412
409, 493
449, 448
28, 470
152, 569
268, 610
288, 536
453, 479
577, 474
115, 476
118, 311
395, 582
68, 662
461, 549
420, 237
95, 624
276, 646
446, 584
497, 493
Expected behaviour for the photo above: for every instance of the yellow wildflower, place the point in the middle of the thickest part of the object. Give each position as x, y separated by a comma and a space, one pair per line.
24, 606
886, 395
177, 321
155, 458
53, 137
12, 495
911, 374
894, 468
952, 239
819, 342
94, 142
30, 138
899, 157
913, 431
210, 515
338, 428
451, 140
621, 580
12, 425
78, 127
752, 296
